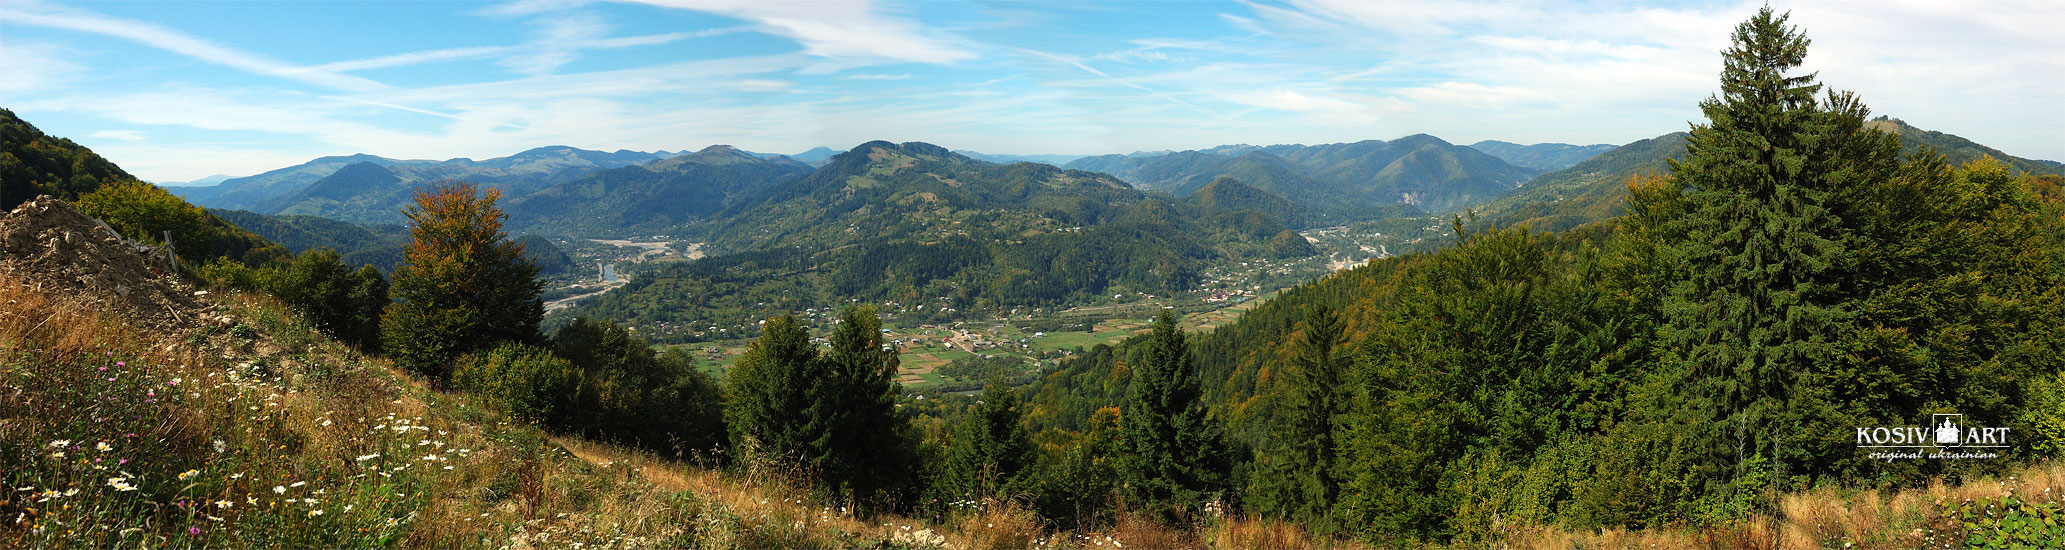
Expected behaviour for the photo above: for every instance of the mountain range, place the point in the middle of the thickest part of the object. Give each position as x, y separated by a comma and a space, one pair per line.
653, 196
1338, 180
274, 192
1596, 189
918, 224
1546, 157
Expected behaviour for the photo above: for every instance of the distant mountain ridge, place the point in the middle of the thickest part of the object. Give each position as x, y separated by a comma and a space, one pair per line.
1588, 191
1420, 170
655, 195
1547, 157
919, 224
1595, 189
518, 174
1056, 160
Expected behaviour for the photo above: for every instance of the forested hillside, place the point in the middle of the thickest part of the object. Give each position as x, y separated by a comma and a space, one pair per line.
1355, 180
1635, 374
936, 233
1547, 157
1596, 189
655, 196
370, 190
32, 164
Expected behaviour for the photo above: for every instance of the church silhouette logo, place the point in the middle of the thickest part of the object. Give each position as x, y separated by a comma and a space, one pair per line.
1948, 428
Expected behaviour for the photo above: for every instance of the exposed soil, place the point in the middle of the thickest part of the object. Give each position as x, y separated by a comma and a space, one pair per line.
49, 244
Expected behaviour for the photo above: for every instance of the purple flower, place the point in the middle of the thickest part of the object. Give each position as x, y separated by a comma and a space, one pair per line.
194, 531
121, 364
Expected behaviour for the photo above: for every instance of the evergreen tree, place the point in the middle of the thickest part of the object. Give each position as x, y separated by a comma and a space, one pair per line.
859, 441
368, 299
317, 283
1174, 458
1762, 245
629, 394
989, 450
766, 391
464, 285
834, 415
1298, 479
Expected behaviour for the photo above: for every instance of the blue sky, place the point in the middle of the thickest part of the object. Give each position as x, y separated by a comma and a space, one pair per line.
180, 90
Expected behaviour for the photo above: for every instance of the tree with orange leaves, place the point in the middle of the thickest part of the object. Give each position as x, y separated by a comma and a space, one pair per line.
464, 285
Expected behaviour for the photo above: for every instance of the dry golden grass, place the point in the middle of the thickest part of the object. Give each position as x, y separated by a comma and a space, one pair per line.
1001, 524
1825, 518
1267, 534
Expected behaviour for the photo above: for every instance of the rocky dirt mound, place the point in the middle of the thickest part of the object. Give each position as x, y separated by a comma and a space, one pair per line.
50, 244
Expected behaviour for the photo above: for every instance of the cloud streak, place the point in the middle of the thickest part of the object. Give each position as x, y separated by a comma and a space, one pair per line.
846, 29
44, 15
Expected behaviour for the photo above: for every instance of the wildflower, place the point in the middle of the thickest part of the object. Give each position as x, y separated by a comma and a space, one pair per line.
367, 457
188, 474
59, 444
314, 513
279, 490
120, 484
102, 447
224, 504
193, 531
297, 484
213, 518
121, 363
220, 446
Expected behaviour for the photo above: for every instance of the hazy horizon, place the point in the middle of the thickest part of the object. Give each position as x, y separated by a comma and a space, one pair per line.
181, 91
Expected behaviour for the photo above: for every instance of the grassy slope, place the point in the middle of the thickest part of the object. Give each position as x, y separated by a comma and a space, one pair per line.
256, 431
251, 429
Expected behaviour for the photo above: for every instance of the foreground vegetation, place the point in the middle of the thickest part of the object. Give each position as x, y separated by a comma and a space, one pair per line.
1686, 375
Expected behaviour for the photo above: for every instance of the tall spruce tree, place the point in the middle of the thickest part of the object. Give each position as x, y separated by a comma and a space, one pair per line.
1297, 478
990, 449
1763, 245
832, 414
861, 443
767, 390
1175, 459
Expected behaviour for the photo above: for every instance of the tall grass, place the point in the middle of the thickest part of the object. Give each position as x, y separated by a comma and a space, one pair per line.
1923, 517
259, 432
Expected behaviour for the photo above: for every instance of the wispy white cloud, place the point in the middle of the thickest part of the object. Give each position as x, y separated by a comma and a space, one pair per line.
415, 58
849, 29
47, 15
864, 76
118, 135
35, 67
1085, 67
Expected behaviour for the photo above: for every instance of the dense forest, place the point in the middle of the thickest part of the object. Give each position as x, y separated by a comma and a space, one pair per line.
1794, 277
1713, 331
932, 233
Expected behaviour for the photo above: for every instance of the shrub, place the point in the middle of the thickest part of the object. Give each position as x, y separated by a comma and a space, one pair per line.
527, 382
